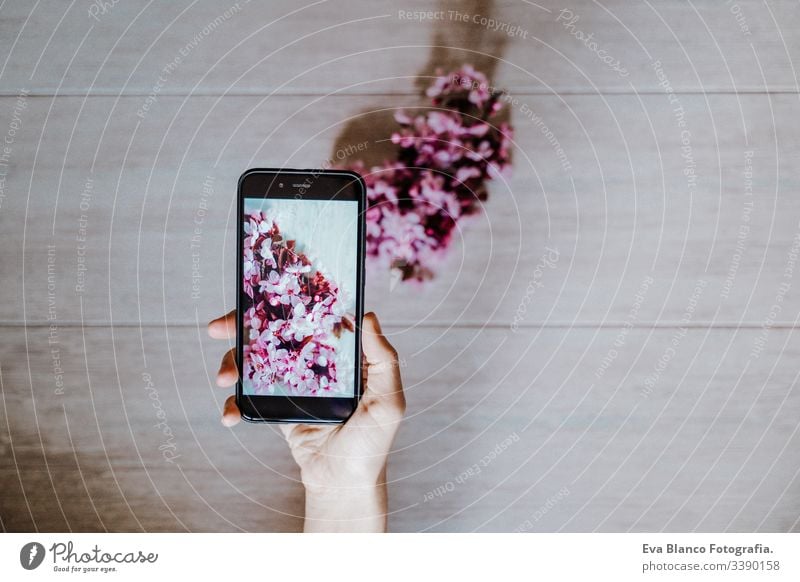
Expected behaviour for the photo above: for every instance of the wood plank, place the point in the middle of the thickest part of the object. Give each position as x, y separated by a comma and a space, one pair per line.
705, 441
622, 211
375, 47
137, 451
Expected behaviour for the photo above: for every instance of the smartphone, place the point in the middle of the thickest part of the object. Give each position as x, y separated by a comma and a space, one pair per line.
300, 289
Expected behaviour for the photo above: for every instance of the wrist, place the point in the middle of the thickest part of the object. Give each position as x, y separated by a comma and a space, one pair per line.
346, 509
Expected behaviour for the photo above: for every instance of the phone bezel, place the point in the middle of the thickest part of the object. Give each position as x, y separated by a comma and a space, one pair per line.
322, 186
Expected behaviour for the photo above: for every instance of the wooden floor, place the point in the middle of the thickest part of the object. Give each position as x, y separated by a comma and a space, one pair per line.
611, 346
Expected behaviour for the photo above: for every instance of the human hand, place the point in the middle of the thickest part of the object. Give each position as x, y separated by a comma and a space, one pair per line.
342, 466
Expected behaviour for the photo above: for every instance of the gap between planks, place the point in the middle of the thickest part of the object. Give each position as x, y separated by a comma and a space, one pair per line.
440, 324
4, 93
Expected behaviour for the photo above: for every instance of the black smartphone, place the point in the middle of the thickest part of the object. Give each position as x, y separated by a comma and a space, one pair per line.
300, 256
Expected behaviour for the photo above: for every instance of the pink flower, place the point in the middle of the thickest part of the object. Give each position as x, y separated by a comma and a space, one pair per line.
447, 153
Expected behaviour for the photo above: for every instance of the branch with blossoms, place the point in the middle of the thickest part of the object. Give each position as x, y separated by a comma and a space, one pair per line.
446, 156
292, 318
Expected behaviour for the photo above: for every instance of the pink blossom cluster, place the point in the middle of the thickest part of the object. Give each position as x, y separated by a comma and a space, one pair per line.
446, 155
292, 318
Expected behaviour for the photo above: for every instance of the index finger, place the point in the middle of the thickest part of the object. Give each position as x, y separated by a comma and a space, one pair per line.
223, 327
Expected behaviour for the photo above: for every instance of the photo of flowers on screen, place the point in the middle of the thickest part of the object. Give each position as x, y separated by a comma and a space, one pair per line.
298, 270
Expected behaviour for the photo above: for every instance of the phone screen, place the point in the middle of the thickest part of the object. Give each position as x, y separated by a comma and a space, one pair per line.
299, 295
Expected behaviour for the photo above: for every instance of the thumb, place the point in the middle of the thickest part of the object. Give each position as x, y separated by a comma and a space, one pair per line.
383, 367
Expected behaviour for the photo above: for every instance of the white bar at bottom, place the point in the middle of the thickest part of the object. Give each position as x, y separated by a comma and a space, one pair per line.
225, 557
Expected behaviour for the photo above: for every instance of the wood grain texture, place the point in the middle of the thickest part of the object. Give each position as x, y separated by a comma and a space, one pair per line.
710, 445
136, 433
378, 47
623, 211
